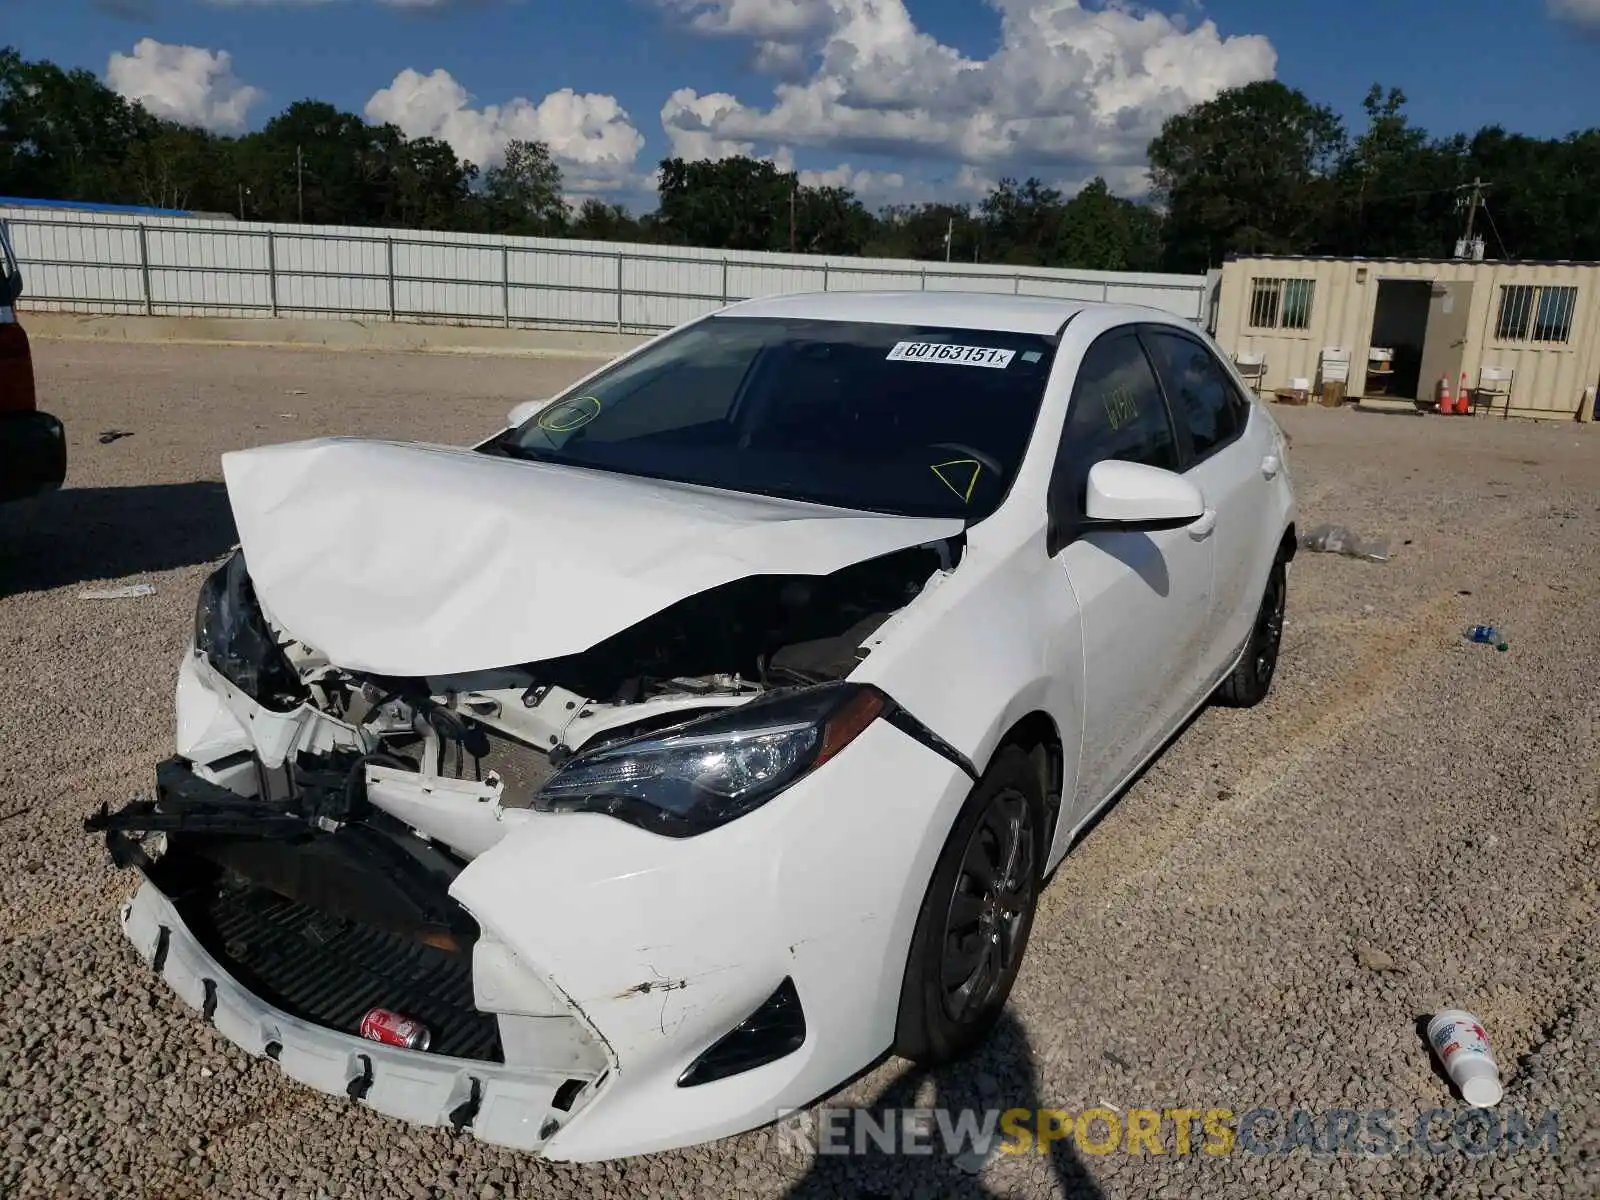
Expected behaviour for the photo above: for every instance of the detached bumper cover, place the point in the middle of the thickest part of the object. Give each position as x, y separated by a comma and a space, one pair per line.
33, 454
509, 1106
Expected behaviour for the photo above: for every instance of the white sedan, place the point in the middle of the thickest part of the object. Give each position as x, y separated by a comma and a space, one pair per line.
657, 764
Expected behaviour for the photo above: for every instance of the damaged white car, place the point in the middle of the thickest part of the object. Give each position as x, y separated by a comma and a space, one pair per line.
664, 760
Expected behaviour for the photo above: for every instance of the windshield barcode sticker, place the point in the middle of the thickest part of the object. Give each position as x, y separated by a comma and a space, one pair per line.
942, 352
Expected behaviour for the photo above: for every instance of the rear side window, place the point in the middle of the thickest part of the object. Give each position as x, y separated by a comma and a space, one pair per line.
1117, 411
1205, 403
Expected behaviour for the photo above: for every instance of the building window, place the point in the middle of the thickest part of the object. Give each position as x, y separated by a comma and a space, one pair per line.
1281, 303
1536, 314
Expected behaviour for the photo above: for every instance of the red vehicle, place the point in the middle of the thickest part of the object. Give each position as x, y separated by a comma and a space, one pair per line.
33, 445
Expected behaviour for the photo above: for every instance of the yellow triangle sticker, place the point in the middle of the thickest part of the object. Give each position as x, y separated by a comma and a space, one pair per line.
960, 475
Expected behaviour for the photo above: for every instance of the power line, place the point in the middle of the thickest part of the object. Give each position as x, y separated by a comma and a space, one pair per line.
1504, 253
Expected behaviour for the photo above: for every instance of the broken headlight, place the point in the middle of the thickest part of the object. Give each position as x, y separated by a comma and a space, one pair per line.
708, 772
231, 632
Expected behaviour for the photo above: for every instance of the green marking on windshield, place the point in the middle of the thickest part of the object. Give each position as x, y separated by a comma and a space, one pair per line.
939, 469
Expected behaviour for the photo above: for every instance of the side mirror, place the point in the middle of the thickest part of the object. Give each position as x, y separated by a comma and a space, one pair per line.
1132, 497
522, 412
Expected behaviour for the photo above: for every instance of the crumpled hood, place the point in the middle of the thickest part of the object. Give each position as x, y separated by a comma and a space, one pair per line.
406, 559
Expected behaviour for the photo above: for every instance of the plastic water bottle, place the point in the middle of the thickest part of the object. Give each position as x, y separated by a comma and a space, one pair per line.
1484, 635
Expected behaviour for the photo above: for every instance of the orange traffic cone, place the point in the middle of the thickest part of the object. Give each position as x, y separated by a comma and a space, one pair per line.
1446, 400
1464, 398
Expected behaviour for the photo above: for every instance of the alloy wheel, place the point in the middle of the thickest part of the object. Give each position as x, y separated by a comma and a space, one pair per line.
990, 907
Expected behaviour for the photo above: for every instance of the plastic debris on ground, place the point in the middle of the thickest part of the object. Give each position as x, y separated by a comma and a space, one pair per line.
130, 592
112, 435
1338, 539
1458, 1038
1487, 635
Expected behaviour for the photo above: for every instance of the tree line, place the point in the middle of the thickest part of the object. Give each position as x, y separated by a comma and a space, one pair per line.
1259, 169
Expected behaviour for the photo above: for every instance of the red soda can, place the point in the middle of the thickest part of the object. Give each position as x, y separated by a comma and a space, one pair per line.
392, 1029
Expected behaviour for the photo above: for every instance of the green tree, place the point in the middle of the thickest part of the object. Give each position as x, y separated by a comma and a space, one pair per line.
1023, 222
177, 166
432, 187
919, 230
1250, 171
523, 194
599, 221
62, 133
1542, 200
1102, 232
733, 204
830, 220
1393, 186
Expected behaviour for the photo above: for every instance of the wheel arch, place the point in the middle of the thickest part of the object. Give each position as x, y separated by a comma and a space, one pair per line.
1036, 734
1289, 543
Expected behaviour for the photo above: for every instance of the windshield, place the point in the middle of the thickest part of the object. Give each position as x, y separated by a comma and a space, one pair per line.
888, 418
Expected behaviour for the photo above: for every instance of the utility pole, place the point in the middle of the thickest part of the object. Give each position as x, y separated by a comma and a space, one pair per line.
794, 191
1477, 187
949, 237
241, 202
1472, 206
299, 185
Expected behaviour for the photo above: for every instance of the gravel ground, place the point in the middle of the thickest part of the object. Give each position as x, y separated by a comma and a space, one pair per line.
1409, 823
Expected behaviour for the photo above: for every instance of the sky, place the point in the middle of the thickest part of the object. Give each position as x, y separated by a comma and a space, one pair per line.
902, 100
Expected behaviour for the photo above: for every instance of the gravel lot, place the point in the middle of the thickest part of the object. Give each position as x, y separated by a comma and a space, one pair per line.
1410, 823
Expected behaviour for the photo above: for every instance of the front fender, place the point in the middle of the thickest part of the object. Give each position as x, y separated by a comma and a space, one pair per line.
999, 639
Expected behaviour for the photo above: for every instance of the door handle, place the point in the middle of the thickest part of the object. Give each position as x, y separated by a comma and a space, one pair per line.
1203, 525
1270, 466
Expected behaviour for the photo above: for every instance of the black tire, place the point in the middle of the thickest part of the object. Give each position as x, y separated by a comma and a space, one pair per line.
1252, 678
965, 922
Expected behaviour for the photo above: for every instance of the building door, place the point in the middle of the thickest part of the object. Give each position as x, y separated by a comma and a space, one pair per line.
1444, 346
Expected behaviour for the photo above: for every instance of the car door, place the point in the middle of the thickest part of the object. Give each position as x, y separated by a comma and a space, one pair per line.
1144, 597
1228, 456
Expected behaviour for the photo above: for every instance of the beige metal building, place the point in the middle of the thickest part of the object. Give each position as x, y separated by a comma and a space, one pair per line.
1527, 334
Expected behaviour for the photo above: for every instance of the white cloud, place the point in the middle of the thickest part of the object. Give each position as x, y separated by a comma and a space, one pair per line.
760, 20
1579, 12
1075, 89
183, 83
688, 117
589, 134
409, 5
870, 186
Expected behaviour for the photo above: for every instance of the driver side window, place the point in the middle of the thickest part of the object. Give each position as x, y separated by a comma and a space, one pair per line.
1116, 411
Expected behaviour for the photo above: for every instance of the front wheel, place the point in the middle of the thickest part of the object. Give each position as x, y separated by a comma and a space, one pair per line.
1252, 678
976, 915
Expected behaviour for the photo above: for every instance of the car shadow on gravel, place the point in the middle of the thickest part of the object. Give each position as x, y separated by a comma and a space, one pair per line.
994, 1079
79, 535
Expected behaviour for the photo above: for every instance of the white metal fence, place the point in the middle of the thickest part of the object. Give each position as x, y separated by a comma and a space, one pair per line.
179, 266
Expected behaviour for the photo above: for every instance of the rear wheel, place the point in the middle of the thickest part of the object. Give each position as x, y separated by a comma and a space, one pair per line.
976, 915
1252, 678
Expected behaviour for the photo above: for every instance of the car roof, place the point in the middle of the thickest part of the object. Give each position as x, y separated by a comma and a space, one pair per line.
957, 310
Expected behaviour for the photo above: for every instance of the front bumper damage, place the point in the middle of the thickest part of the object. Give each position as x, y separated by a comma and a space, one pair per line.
610, 959
518, 1107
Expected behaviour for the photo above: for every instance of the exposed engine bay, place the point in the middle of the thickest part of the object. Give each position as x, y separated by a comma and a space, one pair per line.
712, 650
455, 757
